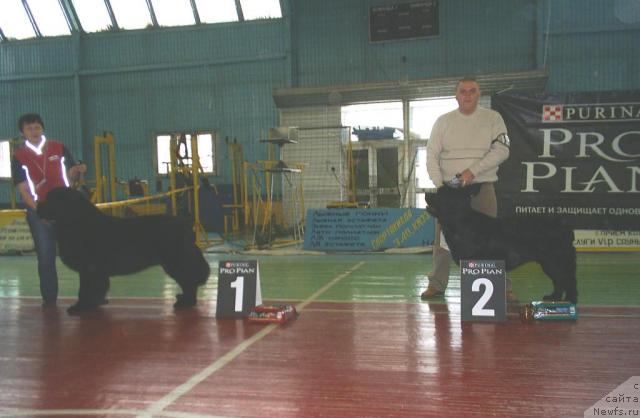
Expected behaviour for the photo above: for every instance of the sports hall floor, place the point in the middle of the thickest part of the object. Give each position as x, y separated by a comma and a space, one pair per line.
364, 345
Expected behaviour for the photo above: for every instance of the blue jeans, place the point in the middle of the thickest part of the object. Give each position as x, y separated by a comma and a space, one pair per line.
44, 238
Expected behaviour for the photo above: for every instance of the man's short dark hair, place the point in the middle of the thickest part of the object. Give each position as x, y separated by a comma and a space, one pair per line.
466, 78
28, 118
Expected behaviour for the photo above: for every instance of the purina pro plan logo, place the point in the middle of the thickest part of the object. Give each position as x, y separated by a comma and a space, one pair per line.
602, 112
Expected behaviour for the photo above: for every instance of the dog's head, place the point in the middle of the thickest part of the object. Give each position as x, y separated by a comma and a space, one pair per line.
451, 202
62, 202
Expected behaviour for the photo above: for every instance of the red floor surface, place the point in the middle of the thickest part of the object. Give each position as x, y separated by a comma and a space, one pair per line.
139, 358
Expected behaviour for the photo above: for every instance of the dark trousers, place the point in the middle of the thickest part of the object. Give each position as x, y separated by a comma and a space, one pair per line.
44, 238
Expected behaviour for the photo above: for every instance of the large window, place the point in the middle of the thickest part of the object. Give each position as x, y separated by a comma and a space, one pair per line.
374, 120
218, 11
93, 15
21, 19
5, 159
14, 20
49, 17
384, 121
422, 116
131, 14
260, 9
206, 151
173, 12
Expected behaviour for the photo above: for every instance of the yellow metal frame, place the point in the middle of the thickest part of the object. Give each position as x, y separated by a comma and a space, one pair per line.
351, 170
13, 143
239, 188
264, 210
194, 170
98, 141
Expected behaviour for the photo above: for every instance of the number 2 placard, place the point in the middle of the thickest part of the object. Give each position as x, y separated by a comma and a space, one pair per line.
483, 290
238, 288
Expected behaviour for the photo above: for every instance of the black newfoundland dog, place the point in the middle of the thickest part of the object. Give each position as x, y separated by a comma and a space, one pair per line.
98, 246
517, 240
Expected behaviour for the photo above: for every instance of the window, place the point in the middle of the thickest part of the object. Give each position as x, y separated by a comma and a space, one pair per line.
173, 12
5, 159
131, 14
422, 116
260, 9
93, 15
374, 120
206, 152
14, 20
219, 11
49, 17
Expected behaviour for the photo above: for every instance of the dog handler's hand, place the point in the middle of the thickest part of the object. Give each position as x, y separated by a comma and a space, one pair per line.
466, 177
77, 170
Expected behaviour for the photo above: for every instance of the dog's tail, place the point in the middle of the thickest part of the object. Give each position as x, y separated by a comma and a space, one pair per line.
191, 254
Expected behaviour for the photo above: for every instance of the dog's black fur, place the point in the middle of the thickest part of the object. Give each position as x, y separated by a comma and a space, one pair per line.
517, 240
98, 246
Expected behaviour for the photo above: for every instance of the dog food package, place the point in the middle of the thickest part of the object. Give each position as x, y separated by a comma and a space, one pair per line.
549, 311
272, 314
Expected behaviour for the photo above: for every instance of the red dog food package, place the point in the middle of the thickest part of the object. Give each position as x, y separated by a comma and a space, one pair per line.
278, 314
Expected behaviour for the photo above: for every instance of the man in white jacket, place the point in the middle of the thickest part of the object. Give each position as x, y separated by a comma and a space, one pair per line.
467, 144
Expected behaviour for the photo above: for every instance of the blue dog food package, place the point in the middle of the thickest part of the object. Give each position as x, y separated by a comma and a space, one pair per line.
549, 311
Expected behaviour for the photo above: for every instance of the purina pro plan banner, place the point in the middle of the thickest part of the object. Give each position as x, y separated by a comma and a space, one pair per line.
576, 155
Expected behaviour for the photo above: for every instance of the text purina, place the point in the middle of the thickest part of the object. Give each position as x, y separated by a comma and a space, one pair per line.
600, 112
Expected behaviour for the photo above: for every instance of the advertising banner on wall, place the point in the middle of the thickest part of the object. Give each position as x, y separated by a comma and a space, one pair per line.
576, 155
367, 229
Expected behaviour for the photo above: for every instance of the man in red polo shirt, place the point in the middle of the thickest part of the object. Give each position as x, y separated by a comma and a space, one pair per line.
39, 165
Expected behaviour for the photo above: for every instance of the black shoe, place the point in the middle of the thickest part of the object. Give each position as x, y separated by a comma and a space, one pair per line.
49, 304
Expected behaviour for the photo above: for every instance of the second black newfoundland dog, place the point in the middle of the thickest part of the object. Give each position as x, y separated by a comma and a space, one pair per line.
98, 246
517, 240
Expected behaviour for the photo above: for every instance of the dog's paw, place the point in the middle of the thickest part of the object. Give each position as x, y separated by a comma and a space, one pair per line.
79, 308
183, 302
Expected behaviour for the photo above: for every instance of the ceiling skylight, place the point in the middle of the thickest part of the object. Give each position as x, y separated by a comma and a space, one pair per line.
49, 17
173, 12
260, 9
131, 14
14, 20
93, 15
219, 11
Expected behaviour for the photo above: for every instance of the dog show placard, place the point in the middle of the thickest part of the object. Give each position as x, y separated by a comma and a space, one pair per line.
238, 288
574, 155
483, 290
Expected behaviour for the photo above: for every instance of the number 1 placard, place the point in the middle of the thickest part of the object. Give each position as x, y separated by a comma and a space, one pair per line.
483, 290
238, 288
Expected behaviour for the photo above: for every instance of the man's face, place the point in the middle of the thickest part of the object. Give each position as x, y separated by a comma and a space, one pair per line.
467, 95
32, 131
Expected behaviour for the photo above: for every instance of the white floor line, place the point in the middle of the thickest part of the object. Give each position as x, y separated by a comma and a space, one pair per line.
157, 407
99, 412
